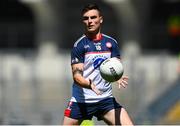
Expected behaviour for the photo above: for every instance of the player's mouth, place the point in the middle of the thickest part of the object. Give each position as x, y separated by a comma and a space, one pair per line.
90, 26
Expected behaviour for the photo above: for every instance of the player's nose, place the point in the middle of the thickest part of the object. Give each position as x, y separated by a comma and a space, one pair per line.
89, 20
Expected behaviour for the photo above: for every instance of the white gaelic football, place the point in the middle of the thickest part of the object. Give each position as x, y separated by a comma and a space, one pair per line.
111, 69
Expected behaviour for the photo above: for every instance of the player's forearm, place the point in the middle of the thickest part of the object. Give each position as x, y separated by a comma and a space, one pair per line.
81, 81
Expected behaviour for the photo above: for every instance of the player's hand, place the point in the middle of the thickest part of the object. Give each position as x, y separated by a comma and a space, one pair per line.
123, 82
93, 87
97, 91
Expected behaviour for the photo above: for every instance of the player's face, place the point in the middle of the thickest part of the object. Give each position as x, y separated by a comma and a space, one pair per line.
92, 21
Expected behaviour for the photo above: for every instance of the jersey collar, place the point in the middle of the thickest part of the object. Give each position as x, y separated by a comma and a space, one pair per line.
97, 38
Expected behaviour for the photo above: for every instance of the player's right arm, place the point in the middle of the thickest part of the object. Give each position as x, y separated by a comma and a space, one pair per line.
77, 71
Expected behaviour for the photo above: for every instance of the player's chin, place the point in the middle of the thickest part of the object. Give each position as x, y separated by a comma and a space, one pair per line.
92, 31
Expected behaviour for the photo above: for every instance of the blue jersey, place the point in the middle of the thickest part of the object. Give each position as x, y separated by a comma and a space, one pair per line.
92, 53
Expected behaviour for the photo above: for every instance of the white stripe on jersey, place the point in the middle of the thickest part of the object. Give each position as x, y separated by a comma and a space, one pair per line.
109, 37
75, 44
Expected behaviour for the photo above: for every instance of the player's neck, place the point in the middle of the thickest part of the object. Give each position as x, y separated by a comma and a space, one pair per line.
94, 37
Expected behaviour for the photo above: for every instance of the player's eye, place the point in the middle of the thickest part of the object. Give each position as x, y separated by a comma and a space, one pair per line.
93, 17
85, 18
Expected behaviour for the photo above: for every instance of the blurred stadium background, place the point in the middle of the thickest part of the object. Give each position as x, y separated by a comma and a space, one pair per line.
35, 41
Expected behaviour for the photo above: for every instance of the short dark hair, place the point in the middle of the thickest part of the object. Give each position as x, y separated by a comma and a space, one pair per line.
91, 6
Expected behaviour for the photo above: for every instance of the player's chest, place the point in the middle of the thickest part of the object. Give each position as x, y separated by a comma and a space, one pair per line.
99, 47
97, 53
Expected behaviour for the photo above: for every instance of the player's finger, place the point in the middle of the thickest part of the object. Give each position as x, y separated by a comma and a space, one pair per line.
125, 77
122, 85
125, 82
98, 92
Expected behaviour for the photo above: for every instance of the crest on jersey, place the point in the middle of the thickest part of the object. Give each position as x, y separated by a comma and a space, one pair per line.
98, 46
108, 45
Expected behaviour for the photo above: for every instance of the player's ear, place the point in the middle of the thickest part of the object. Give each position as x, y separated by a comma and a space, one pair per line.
101, 19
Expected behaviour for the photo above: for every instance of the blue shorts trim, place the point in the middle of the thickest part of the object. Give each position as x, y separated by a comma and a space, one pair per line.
88, 110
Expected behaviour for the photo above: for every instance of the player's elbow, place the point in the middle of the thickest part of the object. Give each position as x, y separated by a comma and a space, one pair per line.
77, 78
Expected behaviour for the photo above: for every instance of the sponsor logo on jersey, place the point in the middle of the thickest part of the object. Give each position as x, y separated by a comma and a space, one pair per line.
97, 60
